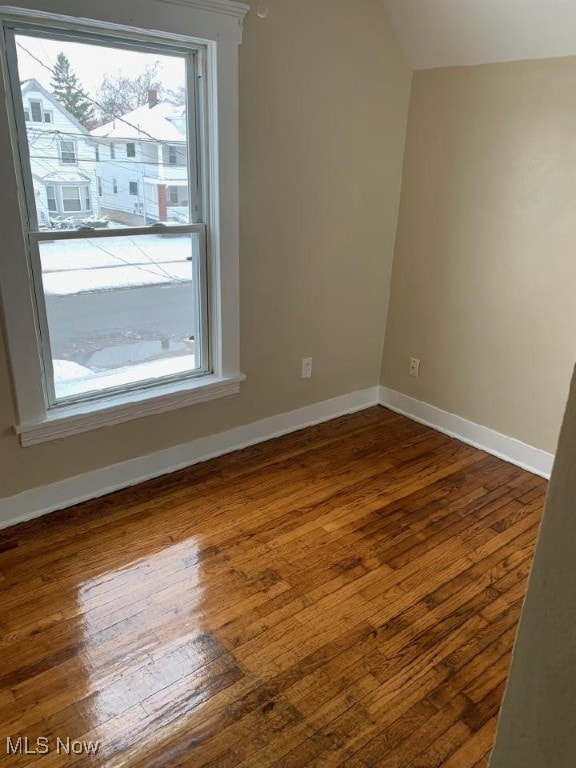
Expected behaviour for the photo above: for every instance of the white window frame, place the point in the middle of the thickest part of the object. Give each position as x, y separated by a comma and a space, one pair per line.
61, 152
54, 198
36, 101
217, 25
75, 198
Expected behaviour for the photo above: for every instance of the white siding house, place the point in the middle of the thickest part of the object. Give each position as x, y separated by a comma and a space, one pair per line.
62, 159
142, 166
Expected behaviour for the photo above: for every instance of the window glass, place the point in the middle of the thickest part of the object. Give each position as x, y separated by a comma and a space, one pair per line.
36, 110
71, 199
51, 197
119, 308
67, 152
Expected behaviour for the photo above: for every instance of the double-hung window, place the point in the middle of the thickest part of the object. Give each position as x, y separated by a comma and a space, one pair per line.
71, 199
36, 111
131, 304
67, 152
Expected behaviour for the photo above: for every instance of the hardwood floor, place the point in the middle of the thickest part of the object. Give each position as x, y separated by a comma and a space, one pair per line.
344, 596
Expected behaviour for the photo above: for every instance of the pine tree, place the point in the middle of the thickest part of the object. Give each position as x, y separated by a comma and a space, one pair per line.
66, 88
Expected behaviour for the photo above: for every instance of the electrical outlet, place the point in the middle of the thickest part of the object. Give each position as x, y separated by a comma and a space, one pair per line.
414, 367
306, 368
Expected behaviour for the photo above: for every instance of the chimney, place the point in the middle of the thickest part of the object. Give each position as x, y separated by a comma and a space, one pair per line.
152, 98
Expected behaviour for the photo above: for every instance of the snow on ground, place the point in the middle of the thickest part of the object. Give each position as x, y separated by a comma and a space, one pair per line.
99, 264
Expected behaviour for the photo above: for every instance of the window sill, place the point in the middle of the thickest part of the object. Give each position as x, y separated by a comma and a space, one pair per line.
72, 420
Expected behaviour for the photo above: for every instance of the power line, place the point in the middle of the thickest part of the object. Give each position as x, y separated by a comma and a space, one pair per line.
90, 98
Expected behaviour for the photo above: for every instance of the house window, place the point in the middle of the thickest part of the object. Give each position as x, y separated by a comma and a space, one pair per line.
47, 117
173, 195
76, 363
36, 111
67, 152
172, 156
115, 186
130, 150
51, 198
71, 199
97, 153
27, 115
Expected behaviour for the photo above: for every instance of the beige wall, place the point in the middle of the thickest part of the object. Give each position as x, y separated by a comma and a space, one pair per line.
485, 264
324, 93
538, 717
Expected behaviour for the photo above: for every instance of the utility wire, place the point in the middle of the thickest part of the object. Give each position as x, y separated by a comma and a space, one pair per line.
91, 99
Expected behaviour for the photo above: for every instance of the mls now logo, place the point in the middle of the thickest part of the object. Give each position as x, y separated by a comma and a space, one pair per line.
43, 745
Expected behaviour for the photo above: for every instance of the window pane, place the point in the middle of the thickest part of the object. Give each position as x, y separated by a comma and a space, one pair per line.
51, 198
71, 199
68, 152
121, 98
121, 310
36, 109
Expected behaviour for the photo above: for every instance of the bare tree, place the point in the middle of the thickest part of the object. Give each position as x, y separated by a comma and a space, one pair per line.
119, 94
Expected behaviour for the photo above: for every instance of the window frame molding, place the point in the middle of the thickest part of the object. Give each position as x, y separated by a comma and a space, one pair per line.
217, 25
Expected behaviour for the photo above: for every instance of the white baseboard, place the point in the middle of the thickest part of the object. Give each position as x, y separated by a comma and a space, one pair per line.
507, 448
66, 493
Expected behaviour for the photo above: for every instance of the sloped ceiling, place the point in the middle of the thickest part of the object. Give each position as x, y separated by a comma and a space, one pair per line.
443, 33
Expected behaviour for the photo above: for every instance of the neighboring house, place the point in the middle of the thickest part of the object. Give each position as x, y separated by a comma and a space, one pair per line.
62, 159
142, 168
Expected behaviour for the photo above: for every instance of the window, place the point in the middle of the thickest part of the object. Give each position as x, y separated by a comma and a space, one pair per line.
71, 199
115, 186
172, 156
78, 364
67, 152
27, 115
36, 110
97, 153
173, 195
51, 197
47, 117
130, 150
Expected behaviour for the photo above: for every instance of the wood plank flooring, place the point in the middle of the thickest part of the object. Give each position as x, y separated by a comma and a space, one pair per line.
344, 596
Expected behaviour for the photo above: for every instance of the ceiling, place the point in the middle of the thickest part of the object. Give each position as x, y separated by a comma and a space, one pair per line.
444, 33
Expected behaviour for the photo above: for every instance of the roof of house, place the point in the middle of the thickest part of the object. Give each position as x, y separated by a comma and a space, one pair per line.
163, 122
33, 85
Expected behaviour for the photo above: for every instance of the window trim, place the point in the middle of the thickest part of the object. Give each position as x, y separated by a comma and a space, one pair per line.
70, 199
54, 198
31, 102
74, 150
218, 26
